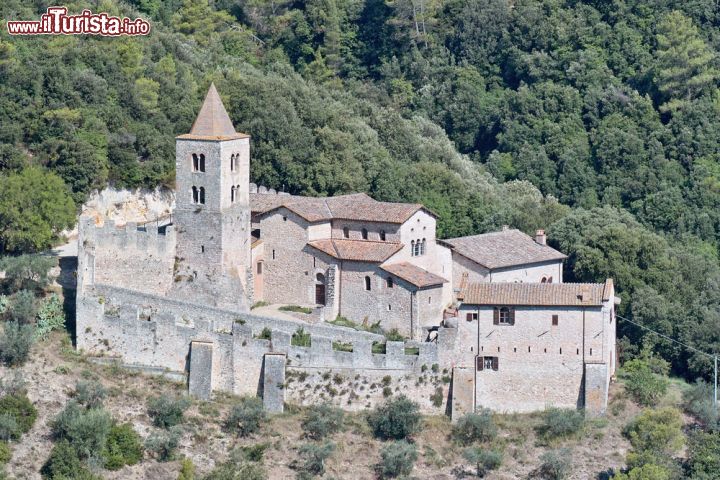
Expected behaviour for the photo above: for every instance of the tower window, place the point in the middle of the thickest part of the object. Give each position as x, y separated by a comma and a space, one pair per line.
202, 195
232, 162
368, 284
232, 194
237, 161
195, 162
202, 162
364, 234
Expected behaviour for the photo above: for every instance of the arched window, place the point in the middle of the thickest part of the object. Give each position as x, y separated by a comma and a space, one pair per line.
549, 280
202, 162
368, 284
543, 280
195, 163
232, 193
364, 233
232, 162
389, 282
412, 248
202, 195
194, 194
417, 248
422, 247
382, 235
237, 161
346, 232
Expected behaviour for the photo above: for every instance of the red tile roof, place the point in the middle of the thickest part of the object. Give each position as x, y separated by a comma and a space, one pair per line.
356, 206
538, 294
503, 249
413, 274
357, 250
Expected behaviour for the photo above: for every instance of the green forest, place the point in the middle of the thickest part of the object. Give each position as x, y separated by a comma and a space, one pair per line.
598, 120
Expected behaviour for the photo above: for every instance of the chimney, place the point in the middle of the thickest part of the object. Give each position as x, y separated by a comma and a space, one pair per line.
505, 228
540, 238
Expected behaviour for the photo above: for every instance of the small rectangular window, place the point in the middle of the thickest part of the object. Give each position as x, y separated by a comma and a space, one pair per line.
471, 316
554, 320
273, 254
259, 268
486, 363
202, 248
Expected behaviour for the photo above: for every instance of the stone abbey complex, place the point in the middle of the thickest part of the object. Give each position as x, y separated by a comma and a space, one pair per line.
457, 324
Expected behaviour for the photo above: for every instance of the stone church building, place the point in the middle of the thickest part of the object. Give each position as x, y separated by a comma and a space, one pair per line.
491, 308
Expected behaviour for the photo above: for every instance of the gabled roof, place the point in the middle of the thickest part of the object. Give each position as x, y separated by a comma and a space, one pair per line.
356, 206
538, 294
506, 248
413, 274
213, 121
357, 250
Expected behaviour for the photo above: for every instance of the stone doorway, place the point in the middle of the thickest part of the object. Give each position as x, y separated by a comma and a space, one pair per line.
320, 289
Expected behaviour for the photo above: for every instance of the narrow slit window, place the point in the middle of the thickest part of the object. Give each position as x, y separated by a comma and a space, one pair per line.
368, 283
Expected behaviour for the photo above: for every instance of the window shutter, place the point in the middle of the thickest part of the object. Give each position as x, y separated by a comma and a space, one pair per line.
512, 317
496, 316
495, 363
468, 317
479, 363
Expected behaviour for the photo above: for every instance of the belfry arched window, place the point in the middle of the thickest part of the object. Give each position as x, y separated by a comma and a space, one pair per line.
202, 195
232, 162
195, 162
232, 193
195, 197
202, 162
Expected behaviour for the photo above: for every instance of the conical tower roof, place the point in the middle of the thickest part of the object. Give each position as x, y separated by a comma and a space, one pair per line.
213, 121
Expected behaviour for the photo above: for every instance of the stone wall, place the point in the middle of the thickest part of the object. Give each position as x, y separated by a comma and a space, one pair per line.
533, 273
152, 331
392, 230
137, 257
538, 364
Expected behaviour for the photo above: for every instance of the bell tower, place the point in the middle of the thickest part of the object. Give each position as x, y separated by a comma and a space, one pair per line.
212, 212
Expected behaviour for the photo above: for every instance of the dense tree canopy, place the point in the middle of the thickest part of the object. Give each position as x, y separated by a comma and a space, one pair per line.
598, 118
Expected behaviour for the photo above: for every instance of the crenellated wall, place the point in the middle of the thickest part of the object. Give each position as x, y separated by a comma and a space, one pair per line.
148, 330
137, 257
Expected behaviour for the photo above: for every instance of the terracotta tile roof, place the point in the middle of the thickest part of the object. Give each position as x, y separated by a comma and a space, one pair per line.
357, 250
538, 294
413, 274
503, 249
356, 206
213, 121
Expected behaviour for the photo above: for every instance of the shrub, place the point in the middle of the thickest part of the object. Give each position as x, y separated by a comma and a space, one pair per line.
648, 471
704, 454
167, 411
296, 309
698, 402
9, 429
251, 453
656, 431
65, 464
642, 383
394, 336
123, 447
5, 453
23, 307
90, 393
475, 427
265, 334
396, 419
237, 471
162, 444
246, 416
561, 422
484, 460
398, 458
322, 420
51, 316
86, 429
15, 342
300, 338
27, 271
438, 397
555, 464
187, 470
312, 459
19, 407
